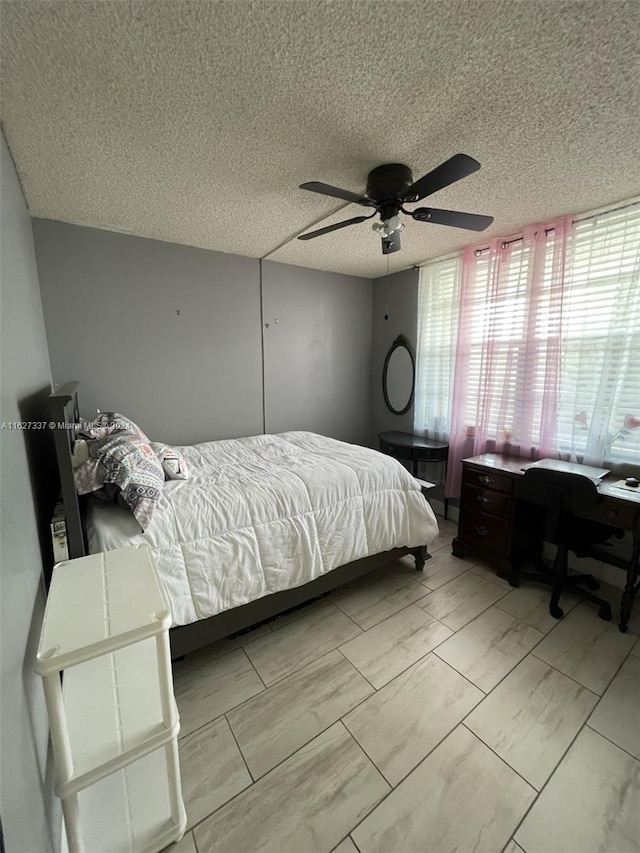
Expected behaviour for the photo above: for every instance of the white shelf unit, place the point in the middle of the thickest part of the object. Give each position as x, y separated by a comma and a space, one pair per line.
113, 718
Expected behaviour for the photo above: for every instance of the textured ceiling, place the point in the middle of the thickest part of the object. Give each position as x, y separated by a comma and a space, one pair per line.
194, 122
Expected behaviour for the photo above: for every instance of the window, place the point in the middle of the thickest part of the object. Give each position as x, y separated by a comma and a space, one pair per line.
541, 335
600, 378
437, 335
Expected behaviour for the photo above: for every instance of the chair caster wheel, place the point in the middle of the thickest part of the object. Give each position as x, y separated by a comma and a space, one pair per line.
556, 612
605, 613
593, 585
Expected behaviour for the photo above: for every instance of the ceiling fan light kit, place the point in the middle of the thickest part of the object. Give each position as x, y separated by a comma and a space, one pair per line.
391, 186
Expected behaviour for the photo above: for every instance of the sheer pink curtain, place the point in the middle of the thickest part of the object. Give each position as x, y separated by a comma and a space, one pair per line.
506, 381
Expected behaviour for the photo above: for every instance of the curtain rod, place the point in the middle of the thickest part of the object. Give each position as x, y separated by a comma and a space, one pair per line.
506, 243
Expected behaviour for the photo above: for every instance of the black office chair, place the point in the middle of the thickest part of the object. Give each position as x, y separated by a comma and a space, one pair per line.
548, 505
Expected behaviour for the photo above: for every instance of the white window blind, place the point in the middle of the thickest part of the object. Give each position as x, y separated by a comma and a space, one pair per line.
600, 381
438, 298
514, 330
577, 295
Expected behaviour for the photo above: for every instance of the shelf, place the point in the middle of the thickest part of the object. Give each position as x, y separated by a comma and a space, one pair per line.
105, 660
113, 710
98, 604
127, 811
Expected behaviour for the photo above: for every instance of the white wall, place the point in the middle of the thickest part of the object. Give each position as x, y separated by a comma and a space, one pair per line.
27, 487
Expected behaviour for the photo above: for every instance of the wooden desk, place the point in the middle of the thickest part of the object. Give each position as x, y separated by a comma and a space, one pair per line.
404, 445
487, 513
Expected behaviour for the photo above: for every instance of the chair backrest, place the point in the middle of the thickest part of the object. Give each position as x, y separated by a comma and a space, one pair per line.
562, 494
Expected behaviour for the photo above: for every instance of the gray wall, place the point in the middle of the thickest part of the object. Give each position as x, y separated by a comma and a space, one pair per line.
168, 335
27, 486
399, 299
111, 303
318, 353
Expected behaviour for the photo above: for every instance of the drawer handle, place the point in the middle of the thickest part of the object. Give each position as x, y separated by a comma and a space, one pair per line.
481, 530
487, 481
484, 500
611, 513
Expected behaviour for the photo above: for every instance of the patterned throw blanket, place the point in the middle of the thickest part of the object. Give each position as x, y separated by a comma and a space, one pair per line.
122, 466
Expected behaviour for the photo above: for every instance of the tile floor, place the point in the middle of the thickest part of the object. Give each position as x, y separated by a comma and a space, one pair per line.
438, 711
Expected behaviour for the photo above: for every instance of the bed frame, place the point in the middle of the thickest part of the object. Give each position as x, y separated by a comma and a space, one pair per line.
64, 417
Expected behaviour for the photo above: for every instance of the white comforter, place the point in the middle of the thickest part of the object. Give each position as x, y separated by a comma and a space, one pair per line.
267, 513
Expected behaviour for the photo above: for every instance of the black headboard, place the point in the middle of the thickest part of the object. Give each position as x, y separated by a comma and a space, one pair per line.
64, 417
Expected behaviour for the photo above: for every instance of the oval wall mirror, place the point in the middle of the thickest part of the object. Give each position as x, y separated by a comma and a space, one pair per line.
398, 376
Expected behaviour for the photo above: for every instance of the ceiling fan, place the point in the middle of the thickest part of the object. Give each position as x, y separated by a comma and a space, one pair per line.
390, 186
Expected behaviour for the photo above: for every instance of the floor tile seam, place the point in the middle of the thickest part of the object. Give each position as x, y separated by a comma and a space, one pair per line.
254, 668
546, 633
309, 662
488, 607
392, 616
339, 719
381, 801
549, 778
260, 778
374, 688
361, 747
456, 577
392, 788
470, 571
606, 690
582, 686
207, 662
608, 685
329, 603
213, 720
244, 760
414, 769
217, 717
294, 672
506, 614
364, 630
612, 742
317, 734
267, 687
580, 727
504, 761
375, 691
404, 669
486, 692
495, 579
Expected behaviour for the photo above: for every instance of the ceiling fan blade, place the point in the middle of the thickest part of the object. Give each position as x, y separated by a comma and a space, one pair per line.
455, 218
336, 192
328, 228
454, 169
391, 244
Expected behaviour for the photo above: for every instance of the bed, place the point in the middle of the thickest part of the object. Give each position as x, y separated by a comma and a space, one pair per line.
263, 523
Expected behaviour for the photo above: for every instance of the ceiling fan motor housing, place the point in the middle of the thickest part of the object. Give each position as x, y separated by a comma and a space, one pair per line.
389, 182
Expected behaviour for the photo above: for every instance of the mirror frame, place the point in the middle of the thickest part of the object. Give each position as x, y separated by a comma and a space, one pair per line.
400, 341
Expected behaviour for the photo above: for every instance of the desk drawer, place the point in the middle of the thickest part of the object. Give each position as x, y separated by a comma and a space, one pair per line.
486, 500
487, 480
613, 513
487, 531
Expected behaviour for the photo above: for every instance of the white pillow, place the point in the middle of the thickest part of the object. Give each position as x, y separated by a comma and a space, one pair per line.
80, 452
172, 461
